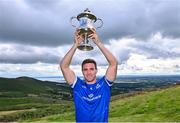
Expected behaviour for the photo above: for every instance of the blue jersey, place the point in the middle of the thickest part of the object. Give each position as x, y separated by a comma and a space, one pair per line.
92, 100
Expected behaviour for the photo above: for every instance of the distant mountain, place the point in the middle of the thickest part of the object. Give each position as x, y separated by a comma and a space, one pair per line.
25, 86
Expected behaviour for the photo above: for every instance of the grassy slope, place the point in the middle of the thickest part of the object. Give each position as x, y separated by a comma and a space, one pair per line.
163, 105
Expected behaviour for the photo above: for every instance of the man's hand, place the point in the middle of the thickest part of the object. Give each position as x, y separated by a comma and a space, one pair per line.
94, 36
78, 38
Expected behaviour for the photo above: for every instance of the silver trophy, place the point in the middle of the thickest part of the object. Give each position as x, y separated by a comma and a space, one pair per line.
86, 21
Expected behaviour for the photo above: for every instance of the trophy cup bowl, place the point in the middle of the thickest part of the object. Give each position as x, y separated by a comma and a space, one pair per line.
86, 24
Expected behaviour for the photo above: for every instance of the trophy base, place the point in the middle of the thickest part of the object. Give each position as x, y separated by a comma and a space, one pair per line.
85, 47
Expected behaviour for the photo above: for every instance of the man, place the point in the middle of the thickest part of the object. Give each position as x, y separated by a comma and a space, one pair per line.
91, 95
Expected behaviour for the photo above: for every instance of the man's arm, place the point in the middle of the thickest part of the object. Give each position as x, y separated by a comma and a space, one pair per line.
112, 68
68, 73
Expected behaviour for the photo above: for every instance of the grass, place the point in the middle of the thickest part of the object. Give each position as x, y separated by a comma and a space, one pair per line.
65, 117
21, 109
154, 106
22, 103
14, 111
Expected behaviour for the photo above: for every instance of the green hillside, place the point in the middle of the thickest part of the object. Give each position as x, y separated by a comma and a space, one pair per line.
26, 98
163, 105
156, 106
26, 86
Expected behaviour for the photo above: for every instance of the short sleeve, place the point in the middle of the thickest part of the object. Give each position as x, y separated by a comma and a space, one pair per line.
74, 83
110, 83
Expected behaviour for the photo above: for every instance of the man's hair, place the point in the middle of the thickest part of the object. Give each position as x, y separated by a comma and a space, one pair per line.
89, 61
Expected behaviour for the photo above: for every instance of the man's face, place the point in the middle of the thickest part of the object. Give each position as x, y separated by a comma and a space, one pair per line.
89, 71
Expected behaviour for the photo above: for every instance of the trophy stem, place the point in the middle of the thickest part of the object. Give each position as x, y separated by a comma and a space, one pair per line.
85, 38
85, 46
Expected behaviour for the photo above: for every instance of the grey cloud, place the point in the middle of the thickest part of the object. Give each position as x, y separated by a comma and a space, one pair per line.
166, 18
176, 66
27, 55
154, 51
140, 19
46, 22
45, 4
25, 25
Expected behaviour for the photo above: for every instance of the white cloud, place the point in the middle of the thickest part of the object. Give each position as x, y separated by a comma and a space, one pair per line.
26, 54
140, 64
32, 70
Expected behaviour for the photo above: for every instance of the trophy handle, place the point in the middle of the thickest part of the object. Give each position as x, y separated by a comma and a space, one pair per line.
101, 23
72, 18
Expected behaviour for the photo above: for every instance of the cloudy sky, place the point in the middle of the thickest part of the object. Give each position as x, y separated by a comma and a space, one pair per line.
144, 35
